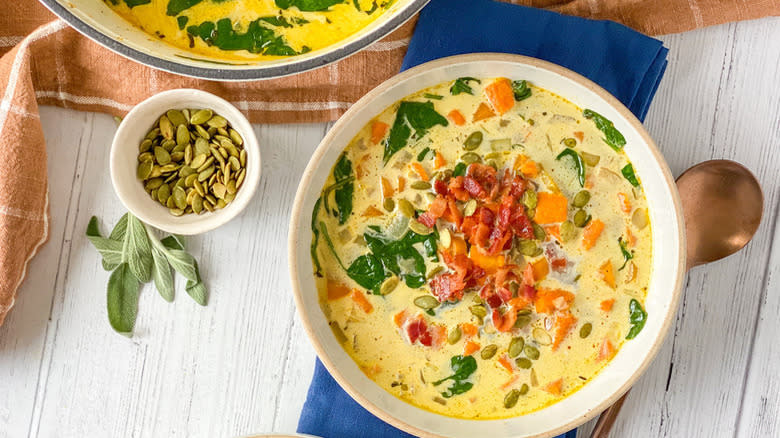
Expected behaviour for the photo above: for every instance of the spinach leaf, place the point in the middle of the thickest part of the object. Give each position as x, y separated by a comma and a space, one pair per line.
367, 271
579, 165
461, 85
400, 257
462, 367
612, 136
344, 188
422, 154
417, 116
374, 7
637, 318
175, 7
278, 21
256, 39
628, 173
308, 5
182, 21
521, 90
316, 240
460, 169
133, 3
325, 234
627, 255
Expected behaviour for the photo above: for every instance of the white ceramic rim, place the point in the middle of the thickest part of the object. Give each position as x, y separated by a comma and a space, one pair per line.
203, 67
131, 132
668, 254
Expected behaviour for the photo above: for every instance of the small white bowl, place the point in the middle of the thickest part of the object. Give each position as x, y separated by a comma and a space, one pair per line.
124, 161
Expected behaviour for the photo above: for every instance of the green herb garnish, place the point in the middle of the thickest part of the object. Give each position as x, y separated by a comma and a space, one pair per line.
460, 169
136, 256
316, 240
417, 116
433, 96
612, 136
578, 163
344, 189
461, 85
308, 5
256, 39
627, 255
133, 3
422, 154
462, 367
175, 7
628, 173
637, 318
521, 90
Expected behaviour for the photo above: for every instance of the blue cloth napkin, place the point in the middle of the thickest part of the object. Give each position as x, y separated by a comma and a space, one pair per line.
626, 63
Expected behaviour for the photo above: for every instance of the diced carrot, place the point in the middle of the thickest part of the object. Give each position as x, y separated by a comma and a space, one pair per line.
625, 202
489, 263
550, 300
483, 112
438, 334
607, 350
469, 329
510, 382
591, 233
606, 305
528, 275
361, 301
541, 269
550, 208
378, 131
401, 183
372, 211
500, 95
554, 230
518, 303
470, 348
526, 166
630, 238
337, 290
563, 325
608, 273
439, 161
400, 318
387, 188
458, 246
555, 387
579, 135
456, 117
420, 170
504, 361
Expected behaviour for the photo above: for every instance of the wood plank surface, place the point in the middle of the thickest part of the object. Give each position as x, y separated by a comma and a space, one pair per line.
243, 364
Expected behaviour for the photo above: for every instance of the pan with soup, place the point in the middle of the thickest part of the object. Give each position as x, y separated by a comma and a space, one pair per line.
482, 248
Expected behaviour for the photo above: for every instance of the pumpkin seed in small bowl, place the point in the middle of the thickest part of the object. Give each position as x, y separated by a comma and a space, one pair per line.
185, 161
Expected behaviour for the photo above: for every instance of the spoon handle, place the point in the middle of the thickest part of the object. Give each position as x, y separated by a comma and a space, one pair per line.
607, 419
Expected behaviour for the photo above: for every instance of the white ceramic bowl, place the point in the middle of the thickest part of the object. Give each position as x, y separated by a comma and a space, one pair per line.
124, 161
97, 21
668, 252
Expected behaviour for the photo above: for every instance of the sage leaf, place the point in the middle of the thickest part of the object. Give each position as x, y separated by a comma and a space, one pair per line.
122, 299
110, 250
162, 275
173, 242
118, 233
196, 289
183, 263
137, 249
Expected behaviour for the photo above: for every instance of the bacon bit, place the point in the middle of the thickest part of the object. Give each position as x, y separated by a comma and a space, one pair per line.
556, 257
500, 95
579, 135
506, 363
487, 262
378, 131
362, 301
504, 323
625, 202
608, 273
359, 169
529, 277
510, 382
483, 112
401, 183
372, 211
420, 170
439, 161
607, 350
456, 117
555, 387
470, 348
469, 329
564, 322
606, 305
337, 290
553, 230
591, 233
551, 208
400, 318
526, 166
387, 188
546, 300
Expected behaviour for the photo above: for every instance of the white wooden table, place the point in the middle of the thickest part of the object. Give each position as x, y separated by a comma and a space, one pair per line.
243, 363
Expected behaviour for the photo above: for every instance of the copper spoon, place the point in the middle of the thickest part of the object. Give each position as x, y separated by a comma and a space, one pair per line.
722, 204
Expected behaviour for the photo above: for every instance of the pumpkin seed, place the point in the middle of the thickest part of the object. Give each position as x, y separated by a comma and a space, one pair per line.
176, 117
523, 363
581, 218
197, 203
209, 161
186, 171
406, 208
198, 161
529, 248
388, 285
153, 134
166, 127
146, 156
470, 207
219, 190
236, 137
489, 351
473, 141
639, 218
524, 389
516, 346
419, 228
199, 187
235, 164
161, 155
470, 157
420, 185
542, 337
240, 178
205, 174
434, 272
568, 231
144, 170
569, 142
242, 157
179, 197
585, 330
177, 156
478, 311
217, 122
511, 398
201, 116
454, 335
153, 183
530, 198
388, 204
145, 145
231, 188
581, 198
176, 211
539, 233
168, 168
163, 193
531, 352
182, 135
590, 159
426, 302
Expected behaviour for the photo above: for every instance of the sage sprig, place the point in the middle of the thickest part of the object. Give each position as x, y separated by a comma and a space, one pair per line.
136, 256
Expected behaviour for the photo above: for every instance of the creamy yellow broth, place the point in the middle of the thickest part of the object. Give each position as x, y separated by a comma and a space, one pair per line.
257, 29
366, 319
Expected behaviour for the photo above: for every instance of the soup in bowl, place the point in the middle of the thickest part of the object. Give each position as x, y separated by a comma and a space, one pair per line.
490, 239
